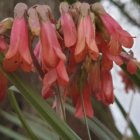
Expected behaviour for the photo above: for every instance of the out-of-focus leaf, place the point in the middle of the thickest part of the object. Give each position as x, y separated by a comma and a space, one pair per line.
39, 129
132, 127
96, 127
15, 106
11, 134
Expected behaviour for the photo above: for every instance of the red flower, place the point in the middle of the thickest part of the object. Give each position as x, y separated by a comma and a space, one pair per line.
87, 104
106, 94
76, 97
86, 36
18, 54
51, 50
3, 86
118, 36
58, 74
68, 26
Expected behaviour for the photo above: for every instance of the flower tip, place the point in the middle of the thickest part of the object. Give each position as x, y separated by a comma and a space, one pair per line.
64, 7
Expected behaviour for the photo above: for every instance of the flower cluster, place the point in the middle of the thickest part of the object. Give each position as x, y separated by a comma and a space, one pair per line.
75, 52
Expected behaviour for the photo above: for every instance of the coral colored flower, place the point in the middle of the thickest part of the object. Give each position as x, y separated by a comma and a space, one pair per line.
118, 36
51, 50
3, 86
86, 36
106, 94
58, 74
87, 104
76, 97
18, 55
68, 26
128, 83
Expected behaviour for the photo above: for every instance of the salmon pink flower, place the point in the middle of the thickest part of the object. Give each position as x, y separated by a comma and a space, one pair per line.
86, 36
106, 94
51, 50
118, 36
58, 74
68, 26
76, 97
87, 104
18, 54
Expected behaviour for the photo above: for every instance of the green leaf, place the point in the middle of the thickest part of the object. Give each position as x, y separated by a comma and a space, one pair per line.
11, 134
132, 127
41, 107
41, 130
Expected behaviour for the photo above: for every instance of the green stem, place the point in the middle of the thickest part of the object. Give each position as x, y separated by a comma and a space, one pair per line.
17, 110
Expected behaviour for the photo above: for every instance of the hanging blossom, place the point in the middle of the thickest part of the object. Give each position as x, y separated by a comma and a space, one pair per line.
18, 55
74, 54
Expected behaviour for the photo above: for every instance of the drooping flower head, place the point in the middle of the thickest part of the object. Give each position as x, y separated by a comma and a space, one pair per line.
86, 35
18, 55
118, 36
51, 50
68, 25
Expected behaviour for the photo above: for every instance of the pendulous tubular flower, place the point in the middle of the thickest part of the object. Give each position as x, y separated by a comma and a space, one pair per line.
68, 25
118, 36
86, 36
18, 55
51, 50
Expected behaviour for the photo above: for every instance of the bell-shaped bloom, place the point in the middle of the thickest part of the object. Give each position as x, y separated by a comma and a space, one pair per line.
58, 74
118, 36
3, 86
87, 104
106, 94
51, 50
18, 55
68, 25
76, 97
3, 44
128, 83
86, 36
34, 21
